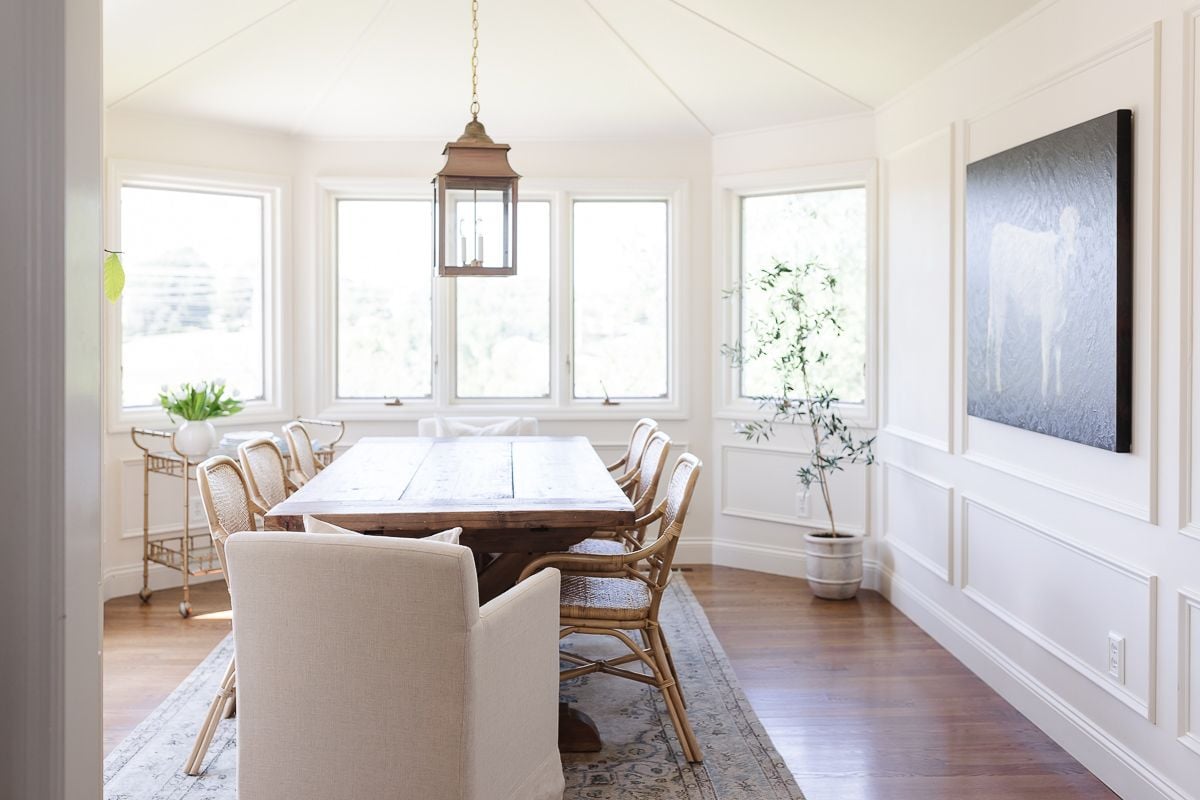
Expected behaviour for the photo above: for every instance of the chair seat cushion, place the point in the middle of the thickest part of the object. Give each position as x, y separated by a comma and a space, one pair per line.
599, 547
585, 597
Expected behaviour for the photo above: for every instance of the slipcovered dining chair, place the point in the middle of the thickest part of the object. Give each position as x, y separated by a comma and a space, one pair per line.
477, 426
229, 508
266, 473
645, 489
625, 467
379, 675
594, 601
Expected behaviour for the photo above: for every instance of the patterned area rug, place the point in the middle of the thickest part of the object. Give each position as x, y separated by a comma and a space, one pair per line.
641, 759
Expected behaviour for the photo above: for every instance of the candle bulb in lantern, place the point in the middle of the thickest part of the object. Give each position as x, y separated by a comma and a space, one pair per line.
462, 249
479, 248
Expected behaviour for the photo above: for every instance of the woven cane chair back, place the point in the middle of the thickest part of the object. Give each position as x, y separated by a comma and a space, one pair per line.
654, 459
226, 498
266, 472
680, 489
304, 463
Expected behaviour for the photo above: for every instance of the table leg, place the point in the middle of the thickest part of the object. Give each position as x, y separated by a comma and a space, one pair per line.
501, 573
576, 731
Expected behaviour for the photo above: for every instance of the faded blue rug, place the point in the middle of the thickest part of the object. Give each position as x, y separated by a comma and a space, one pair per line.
641, 757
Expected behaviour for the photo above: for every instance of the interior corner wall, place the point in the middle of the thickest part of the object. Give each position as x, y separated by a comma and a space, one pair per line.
1020, 552
304, 162
758, 522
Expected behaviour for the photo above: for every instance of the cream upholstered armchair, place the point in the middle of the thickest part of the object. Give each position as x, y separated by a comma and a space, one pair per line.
379, 676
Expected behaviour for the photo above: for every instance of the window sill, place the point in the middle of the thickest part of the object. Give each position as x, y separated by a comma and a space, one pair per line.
260, 413
378, 411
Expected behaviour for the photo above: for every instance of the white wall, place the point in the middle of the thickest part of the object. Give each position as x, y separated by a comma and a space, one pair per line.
758, 522
50, 189
305, 163
1022, 552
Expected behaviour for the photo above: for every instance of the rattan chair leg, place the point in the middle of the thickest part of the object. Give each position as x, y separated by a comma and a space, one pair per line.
209, 728
674, 700
671, 663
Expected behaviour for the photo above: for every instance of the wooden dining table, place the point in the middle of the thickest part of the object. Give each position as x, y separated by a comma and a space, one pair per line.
514, 497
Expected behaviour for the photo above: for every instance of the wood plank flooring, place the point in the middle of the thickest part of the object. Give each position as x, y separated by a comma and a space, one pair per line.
861, 703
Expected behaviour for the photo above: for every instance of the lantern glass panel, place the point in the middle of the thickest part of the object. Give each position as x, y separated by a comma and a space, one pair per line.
479, 228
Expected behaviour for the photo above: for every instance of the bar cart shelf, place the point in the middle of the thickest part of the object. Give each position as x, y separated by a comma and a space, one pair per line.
191, 554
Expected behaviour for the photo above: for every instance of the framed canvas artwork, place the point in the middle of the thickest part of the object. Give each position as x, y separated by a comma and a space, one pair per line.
1049, 294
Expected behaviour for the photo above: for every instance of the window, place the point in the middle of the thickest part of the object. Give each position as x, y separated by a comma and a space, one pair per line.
828, 226
620, 298
587, 316
503, 330
195, 305
384, 299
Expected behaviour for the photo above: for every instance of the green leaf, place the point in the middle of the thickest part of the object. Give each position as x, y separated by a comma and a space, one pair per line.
114, 277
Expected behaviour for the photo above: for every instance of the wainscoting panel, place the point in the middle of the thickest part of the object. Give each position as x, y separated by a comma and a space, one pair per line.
1066, 597
760, 484
1189, 670
1125, 75
918, 519
919, 306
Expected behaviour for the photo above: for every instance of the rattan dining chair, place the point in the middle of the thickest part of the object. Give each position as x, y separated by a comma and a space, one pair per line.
266, 473
229, 508
305, 465
645, 489
625, 468
596, 602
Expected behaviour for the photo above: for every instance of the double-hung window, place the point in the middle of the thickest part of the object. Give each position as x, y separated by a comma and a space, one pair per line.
828, 223
587, 317
200, 298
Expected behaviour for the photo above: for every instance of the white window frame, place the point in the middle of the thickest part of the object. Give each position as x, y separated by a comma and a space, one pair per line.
276, 402
560, 405
729, 190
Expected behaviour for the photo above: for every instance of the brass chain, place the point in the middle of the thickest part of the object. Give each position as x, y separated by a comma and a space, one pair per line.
475, 59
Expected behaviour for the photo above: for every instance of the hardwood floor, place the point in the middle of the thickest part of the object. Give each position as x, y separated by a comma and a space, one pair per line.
861, 703
149, 649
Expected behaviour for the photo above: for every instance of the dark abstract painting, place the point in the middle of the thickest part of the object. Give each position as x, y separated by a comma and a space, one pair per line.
1049, 256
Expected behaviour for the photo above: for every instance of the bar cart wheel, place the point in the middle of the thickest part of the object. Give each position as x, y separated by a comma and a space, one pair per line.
144, 595
185, 610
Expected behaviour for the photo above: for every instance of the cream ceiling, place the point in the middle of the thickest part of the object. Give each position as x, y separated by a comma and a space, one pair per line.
549, 69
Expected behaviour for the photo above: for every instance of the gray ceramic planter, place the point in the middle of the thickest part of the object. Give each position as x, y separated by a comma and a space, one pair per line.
834, 567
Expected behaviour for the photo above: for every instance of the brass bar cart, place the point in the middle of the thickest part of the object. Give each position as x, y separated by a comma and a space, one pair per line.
192, 554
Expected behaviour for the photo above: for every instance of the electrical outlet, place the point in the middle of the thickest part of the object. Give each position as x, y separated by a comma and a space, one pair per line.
1116, 657
802, 504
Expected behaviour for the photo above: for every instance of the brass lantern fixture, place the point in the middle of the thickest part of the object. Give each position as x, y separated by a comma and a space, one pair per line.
475, 196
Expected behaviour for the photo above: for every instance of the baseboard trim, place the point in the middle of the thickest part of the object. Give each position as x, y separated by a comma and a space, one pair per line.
787, 561
126, 580
1125, 772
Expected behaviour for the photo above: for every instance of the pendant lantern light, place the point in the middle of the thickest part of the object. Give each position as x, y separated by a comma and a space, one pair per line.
475, 195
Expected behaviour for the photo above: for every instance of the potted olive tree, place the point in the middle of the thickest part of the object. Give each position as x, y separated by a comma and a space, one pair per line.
787, 335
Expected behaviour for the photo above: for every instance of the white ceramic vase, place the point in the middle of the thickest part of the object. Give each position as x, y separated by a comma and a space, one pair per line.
833, 566
195, 438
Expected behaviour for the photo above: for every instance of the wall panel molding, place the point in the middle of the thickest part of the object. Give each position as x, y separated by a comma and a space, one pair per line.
810, 520
1189, 667
1148, 583
1124, 770
1189, 494
944, 571
943, 441
1143, 91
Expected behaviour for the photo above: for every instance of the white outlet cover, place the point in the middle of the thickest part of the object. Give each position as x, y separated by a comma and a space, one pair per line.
802, 504
1116, 657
